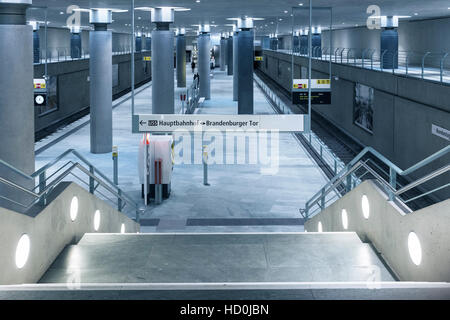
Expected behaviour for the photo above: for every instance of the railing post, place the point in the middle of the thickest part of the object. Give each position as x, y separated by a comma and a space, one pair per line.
407, 63
423, 63
442, 66
42, 185
363, 57
371, 60
322, 199
306, 211
393, 183
349, 183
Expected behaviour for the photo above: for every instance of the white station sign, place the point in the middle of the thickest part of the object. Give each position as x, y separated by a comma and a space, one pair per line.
197, 122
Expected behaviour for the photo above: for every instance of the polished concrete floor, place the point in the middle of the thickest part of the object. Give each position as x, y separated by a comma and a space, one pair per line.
236, 191
169, 258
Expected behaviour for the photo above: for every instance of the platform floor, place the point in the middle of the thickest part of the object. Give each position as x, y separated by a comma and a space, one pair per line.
216, 258
240, 192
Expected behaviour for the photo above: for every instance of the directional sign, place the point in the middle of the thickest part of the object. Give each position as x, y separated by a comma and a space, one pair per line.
259, 58
199, 122
316, 97
320, 91
147, 58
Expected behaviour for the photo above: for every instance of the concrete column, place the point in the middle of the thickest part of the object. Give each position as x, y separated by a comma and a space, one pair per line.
265, 42
163, 91
36, 47
75, 43
245, 71
230, 56
235, 66
304, 44
148, 43
389, 42
100, 64
223, 53
181, 59
316, 44
296, 44
274, 43
204, 48
16, 92
138, 45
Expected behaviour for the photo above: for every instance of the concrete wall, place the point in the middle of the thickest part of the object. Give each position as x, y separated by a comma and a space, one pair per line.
73, 86
388, 228
51, 230
404, 109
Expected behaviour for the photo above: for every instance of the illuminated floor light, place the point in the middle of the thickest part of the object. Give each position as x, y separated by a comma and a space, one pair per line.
344, 219
319, 227
365, 206
122, 228
22, 251
414, 248
74, 208
97, 220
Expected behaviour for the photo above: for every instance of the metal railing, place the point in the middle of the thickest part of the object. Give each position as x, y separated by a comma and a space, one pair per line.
433, 66
47, 178
362, 167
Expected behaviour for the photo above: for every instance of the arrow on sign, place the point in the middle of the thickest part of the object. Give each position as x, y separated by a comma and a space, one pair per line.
142, 122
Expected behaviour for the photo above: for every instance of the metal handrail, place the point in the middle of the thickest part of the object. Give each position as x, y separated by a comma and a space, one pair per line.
394, 170
93, 174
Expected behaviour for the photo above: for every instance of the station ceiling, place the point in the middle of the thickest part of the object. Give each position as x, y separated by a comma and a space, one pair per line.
277, 13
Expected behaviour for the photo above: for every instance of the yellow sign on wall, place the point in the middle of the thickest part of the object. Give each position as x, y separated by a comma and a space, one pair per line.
259, 58
147, 58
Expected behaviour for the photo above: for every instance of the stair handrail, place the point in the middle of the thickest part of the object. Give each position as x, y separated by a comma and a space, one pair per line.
394, 170
94, 173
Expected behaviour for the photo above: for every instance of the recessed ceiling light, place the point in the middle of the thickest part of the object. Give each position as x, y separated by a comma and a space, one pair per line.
198, 1
300, 4
61, 12
416, 14
285, 11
